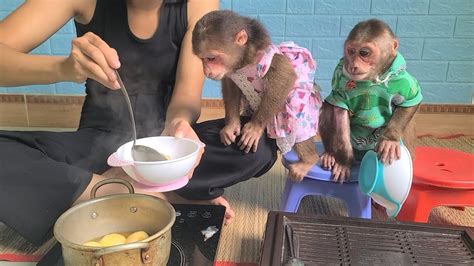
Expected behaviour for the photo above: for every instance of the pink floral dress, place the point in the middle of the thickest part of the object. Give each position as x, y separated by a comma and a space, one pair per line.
298, 120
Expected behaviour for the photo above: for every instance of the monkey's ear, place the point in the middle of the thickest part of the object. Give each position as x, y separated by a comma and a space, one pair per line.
241, 37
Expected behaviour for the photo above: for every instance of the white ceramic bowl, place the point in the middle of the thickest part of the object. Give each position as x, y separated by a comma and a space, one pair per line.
183, 153
388, 185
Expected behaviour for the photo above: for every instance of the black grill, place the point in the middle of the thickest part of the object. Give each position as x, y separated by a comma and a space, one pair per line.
350, 241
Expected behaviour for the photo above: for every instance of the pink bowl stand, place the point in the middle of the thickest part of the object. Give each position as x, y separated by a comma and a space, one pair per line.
179, 183
114, 161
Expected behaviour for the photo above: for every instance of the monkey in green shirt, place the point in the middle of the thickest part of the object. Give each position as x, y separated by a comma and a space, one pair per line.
372, 104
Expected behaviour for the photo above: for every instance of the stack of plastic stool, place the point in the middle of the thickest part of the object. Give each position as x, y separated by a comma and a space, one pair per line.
441, 177
318, 182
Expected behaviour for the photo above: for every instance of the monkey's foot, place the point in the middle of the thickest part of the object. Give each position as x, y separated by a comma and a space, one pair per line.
341, 173
297, 171
327, 161
376, 205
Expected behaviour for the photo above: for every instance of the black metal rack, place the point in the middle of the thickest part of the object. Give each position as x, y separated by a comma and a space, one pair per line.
349, 241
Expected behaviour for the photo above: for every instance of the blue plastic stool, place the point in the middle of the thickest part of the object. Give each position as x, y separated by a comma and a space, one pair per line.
318, 182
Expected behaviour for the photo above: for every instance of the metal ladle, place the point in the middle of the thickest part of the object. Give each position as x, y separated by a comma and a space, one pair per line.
139, 152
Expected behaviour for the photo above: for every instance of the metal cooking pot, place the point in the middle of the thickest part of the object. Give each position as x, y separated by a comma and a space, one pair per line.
116, 214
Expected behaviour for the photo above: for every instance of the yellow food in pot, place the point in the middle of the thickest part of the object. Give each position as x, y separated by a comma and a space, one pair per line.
112, 240
137, 236
92, 244
117, 239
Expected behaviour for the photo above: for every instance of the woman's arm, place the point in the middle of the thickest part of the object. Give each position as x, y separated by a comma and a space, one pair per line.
34, 22
185, 105
24, 29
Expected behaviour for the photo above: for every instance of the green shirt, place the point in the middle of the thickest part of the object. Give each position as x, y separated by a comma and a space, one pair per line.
371, 104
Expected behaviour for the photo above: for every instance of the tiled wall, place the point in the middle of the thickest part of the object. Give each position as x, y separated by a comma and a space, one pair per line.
59, 44
436, 38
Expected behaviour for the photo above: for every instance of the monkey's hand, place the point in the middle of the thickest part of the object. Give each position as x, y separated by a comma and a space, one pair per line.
327, 161
341, 172
229, 133
388, 150
251, 133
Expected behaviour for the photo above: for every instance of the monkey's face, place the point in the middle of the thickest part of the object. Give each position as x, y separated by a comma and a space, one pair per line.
220, 57
361, 60
217, 64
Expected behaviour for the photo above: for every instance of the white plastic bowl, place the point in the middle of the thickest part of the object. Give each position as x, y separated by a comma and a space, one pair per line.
388, 185
167, 174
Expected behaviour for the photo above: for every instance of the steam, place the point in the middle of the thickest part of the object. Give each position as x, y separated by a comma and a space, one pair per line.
105, 120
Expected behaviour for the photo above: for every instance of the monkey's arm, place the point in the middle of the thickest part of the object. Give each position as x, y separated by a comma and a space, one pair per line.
388, 146
231, 95
401, 117
334, 129
278, 82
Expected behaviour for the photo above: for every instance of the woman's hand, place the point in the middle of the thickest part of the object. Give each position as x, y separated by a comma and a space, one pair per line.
91, 57
180, 128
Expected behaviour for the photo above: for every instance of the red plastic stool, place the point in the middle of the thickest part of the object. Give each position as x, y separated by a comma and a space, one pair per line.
441, 177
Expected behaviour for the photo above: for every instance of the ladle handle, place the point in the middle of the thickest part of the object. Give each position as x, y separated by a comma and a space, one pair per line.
129, 105
289, 235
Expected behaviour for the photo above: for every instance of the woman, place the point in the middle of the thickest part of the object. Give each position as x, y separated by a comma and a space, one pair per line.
149, 42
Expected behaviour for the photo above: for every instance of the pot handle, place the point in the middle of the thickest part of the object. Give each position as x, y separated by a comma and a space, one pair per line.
118, 248
111, 181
